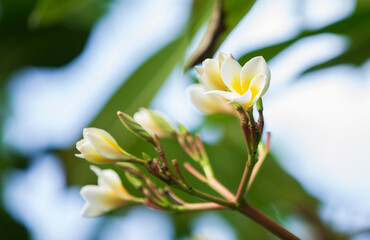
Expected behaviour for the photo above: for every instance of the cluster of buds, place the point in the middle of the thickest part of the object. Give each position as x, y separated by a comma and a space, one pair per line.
225, 87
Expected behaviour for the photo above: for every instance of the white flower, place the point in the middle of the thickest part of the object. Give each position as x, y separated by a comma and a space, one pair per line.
154, 122
208, 104
247, 84
210, 79
209, 72
98, 146
106, 196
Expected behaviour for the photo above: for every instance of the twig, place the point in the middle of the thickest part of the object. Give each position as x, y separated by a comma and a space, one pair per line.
244, 182
261, 159
174, 197
194, 172
173, 178
201, 206
266, 222
267, 145
193, 146
218, 187
244, 123
154, 172
252, 129
175, 164
160, 151
185, 147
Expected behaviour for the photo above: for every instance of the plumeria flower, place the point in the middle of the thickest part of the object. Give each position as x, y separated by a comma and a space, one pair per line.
210, 79
209, 72
107, 195
246, 84
99, 147
154, 122
208, 104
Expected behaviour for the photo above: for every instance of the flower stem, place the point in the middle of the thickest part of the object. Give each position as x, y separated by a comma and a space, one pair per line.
249, 165
206, 196
188, 207
266, 222
218, 187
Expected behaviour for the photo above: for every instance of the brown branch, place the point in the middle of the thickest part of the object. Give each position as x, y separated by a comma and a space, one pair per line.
267, 222
209, 43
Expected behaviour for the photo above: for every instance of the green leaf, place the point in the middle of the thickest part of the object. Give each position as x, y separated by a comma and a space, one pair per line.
72, 13
20, 46
354, 28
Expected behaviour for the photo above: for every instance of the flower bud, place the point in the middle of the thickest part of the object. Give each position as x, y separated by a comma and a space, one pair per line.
154, 123
183, 131
106, 196
135, 127
99, 147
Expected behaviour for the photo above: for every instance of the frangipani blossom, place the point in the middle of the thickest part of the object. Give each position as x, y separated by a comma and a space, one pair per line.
99, 147
107, 195
210, 79
246, 84
208, 104
209, 72
154, 122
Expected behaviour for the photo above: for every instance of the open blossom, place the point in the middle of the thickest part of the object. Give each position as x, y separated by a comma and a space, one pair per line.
98, 146
106, 196
210, 79
246, 84
154, 122
208, 104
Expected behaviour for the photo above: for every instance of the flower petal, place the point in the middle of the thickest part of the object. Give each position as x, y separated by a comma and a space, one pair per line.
101, 199
104, 145
253, 67
109, 179
208, 104
226, 95
245, 98
199, 69
80, 143
256, 87
209, 73
89, 153
220, 58
230, 73
99, 132
89, 211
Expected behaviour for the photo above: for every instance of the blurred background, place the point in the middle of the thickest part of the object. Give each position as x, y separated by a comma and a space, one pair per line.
69, 64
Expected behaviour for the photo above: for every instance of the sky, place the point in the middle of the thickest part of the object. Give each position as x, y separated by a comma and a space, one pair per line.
303, 117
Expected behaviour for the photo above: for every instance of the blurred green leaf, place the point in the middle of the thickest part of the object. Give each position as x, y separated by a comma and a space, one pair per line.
354, 28
12, 230
80, 14
55, 44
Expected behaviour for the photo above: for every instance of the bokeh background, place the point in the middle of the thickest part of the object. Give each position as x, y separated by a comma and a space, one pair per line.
69, 64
